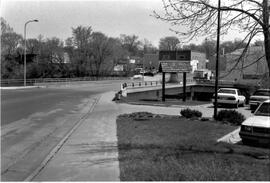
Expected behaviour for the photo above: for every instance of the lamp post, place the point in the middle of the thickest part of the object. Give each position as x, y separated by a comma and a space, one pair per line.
24, 74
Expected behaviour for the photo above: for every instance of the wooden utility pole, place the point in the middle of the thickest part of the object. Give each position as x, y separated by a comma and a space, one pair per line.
217, 62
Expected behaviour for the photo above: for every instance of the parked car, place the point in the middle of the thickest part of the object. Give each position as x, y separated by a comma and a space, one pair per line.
258, 97
231, 96
257, 127
138, 76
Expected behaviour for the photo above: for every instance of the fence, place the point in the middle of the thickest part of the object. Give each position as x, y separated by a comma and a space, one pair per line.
31, 82
151, 83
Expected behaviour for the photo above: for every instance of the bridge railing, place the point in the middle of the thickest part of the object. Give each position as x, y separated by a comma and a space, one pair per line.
212, 82
31, 82
137, 84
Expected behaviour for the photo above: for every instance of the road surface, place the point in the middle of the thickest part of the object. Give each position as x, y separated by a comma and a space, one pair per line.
33, 122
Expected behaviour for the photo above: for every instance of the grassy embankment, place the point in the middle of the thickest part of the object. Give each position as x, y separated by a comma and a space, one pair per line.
174, 148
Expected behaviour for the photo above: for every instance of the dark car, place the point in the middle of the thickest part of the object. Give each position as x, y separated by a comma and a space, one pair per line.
258, 97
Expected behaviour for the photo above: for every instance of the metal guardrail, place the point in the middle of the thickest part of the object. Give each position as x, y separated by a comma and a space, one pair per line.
189, 81
143, 84
139, 84
31, 82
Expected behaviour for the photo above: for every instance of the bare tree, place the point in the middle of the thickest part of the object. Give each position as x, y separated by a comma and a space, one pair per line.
168, 43
130, 43
101, 47
200, 19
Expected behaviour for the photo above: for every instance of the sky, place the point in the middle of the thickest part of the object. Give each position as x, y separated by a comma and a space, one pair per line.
112, 17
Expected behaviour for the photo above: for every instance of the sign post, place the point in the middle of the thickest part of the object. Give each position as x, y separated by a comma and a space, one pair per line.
184, 86
172, 66
163, 86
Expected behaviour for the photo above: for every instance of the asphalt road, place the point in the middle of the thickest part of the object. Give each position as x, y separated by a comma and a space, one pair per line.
33, 121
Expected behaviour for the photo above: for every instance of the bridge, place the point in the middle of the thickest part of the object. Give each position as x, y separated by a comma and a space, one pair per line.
195, 89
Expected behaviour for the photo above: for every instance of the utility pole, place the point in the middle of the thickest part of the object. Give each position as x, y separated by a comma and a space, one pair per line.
217, 62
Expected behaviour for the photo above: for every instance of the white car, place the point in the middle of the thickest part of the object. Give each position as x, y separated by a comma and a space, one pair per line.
230, 96
257, 127
258, 97
138, 76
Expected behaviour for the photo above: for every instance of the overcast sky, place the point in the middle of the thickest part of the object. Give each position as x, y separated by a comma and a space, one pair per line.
110, 17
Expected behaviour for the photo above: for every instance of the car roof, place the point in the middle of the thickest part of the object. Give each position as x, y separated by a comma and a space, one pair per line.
263, 90
267, 101
229, 88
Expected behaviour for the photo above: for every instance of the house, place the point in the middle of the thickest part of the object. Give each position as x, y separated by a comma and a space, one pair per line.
150, 61
245, 70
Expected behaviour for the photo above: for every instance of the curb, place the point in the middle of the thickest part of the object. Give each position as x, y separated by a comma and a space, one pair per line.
20, 87
161, 105
60, 144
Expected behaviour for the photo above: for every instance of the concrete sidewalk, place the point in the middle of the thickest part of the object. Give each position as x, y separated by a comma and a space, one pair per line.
91, 153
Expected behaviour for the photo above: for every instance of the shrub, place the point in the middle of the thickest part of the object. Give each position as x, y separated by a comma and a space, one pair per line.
205, 119
231, 116
188, 113
138, 115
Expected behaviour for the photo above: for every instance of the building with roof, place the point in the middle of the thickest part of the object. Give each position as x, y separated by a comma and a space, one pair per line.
249, 69
150, 61
196, 59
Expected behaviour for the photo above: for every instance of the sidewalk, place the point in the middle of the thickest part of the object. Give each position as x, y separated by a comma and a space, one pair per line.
91, 154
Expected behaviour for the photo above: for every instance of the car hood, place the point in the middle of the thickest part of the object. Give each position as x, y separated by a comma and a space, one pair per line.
258, 121
226, 94
259, 97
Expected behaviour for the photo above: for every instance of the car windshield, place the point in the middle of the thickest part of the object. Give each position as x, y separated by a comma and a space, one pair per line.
227, 91
263, 110
262, 93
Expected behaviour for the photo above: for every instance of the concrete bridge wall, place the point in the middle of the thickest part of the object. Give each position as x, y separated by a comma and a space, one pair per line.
195, 92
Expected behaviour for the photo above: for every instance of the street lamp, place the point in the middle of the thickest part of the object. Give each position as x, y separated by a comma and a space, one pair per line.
24, 74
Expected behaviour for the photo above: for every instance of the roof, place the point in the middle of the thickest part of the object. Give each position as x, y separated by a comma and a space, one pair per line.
174, 66
250, 50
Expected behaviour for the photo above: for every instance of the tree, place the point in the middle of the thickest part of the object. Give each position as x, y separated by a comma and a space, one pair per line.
81, 39
32, 46
50, 59
130, 43
168, 43
10, 42
148, 47
101, 47
5, 26
200, 19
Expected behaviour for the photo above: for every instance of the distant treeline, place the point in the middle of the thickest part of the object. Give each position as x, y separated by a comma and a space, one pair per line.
85, 53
